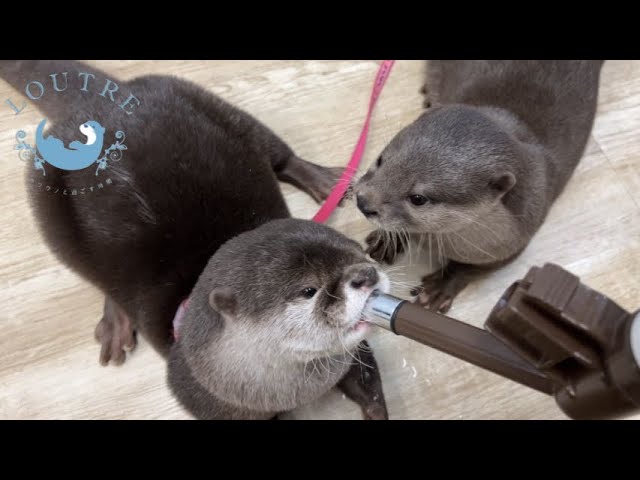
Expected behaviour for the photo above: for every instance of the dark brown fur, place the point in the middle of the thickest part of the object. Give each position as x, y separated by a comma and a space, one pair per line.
197, 172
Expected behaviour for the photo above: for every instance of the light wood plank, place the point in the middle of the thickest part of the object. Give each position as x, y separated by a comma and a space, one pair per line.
48, 358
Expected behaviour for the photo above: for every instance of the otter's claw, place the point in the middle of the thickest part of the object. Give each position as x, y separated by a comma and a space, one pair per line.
440, 288
115, 333
384, 247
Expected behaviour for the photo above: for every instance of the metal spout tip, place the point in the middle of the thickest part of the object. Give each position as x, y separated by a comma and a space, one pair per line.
381, 308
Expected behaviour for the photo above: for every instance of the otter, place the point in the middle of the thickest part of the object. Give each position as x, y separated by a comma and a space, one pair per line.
477, 172
257, 342
197, 173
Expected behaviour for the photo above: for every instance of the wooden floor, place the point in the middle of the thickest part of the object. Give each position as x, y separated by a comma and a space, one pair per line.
49, 359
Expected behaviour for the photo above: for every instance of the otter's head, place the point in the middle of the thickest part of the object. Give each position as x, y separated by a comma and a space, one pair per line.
298, 287
91, 130
453, 164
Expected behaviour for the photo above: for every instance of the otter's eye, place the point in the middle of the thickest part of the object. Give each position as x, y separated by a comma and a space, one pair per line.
309, 292
418, 199
379, 161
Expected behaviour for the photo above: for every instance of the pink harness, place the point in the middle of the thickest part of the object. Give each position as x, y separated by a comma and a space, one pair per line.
177, 319
331, 203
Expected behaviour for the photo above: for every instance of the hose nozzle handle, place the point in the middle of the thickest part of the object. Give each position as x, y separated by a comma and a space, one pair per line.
455, 338
548, 332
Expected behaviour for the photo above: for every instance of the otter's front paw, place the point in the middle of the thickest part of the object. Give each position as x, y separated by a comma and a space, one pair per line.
115, 333
440, 288
316, 180
324, 183
363, 385
384, 247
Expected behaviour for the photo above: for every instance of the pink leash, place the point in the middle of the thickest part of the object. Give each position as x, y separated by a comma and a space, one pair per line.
339, 190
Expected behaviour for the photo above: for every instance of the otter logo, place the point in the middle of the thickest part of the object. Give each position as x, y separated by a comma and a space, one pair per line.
78, 155
86, 149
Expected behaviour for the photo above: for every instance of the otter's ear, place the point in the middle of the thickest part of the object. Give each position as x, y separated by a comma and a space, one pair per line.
502, 183
223, 301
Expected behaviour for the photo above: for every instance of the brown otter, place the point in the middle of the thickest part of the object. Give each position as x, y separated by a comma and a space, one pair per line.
274, 322
477, 172
196, 173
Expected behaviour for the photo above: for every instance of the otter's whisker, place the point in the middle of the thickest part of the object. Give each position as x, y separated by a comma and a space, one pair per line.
387, 241
420, 242
348, 352
430, 255
452, 244
335, 360
393, 269
441, 256
401, 240
408, 238
326, 368
401, 284
389, 269
469, 219
315, 367
473, 245
333, 296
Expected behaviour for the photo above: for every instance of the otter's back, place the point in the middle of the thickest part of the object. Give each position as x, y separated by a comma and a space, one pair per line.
556, 99
196, 172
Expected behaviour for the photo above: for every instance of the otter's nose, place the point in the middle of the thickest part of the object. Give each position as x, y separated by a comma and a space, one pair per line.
364, 277
364, 207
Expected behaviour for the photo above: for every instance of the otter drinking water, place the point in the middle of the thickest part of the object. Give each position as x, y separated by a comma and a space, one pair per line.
271, 308
475, 175
274, 322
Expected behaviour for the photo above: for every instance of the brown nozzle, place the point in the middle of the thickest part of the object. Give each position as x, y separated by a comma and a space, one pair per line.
548, 332
579, 338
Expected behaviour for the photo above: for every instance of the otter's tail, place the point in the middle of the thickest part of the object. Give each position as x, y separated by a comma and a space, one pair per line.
53, 104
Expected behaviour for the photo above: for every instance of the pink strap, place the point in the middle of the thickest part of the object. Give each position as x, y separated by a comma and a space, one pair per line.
177, 319
338, 191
